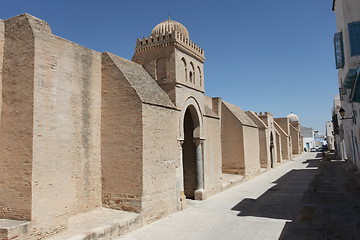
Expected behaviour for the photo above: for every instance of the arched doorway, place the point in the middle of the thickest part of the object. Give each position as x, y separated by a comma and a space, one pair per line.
271, 150
192, 154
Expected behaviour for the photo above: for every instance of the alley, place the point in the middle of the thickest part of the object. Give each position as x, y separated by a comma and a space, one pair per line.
256, 209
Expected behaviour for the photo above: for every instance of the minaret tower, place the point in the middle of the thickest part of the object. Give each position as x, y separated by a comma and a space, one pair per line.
171, 58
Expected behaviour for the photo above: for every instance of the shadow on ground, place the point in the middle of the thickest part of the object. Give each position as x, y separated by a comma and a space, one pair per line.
281, 201
330, 209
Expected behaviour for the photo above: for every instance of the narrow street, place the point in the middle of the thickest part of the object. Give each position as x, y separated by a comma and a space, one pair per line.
261, 208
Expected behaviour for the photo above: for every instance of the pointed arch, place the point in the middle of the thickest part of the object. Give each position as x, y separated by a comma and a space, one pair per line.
192, 105
199, 75
184, 68
192, 73
161, 69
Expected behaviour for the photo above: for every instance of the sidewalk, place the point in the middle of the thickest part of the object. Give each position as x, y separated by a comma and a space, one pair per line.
330, 207
256, 209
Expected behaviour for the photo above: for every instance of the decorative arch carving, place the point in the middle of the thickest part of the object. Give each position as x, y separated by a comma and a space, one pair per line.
192, 73
199, 75
184, 68
196, 113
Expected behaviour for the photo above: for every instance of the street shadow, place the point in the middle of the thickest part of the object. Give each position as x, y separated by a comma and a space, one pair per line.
282, 201
312, 163
330, 209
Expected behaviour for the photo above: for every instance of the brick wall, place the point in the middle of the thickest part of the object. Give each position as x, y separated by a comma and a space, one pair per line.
67, 101
121, 141
160, 161
2, 41
212, 155
251, 151
16, 147
232, 143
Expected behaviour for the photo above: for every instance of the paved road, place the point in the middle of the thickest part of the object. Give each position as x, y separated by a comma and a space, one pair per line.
256, 209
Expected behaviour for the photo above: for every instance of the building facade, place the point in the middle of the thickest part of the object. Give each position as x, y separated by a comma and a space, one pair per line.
82, 130
347, 59
308, 137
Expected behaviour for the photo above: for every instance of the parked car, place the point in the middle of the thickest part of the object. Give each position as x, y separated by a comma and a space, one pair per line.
312, 149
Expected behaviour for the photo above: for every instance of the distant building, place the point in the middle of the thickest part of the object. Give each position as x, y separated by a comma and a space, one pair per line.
338, 131
329, 130
308, 137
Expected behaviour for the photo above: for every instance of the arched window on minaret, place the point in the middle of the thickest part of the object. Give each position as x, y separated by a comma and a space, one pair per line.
192, 73
184, 68
199, 76
160, 69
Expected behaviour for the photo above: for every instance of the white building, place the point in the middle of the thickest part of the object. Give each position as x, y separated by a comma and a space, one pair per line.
308, 137
347, 56
329, 135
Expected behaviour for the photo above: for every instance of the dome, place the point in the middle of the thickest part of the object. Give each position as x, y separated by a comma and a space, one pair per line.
170, 26
292, 117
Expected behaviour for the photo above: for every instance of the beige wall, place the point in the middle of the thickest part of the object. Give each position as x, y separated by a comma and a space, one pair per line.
180, 75
285, 143
51, 123
232, 143
2, 42
121, 141
66, 142
295, 140
278, 148
212, 155
268, 119
16, 146
251, 151
264, 148
284, 124
161, 152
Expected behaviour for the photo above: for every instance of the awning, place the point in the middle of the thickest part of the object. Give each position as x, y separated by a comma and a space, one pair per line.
348, 82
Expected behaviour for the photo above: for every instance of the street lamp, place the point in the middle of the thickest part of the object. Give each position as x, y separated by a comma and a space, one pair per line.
342, 114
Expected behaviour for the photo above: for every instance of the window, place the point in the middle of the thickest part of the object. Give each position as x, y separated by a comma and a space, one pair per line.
160, 69
339, 50
199, 76
192, 73
184, 68
354, 36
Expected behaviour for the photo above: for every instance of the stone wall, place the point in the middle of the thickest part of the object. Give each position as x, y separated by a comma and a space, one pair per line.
284, 124
264, 148
67, 117
66, 157
50, 127
285, 153
251, 151
16, 129
180, 71
148, 60
2, 42
232, 143
279, 156
161, 152
121, 140
212, 155
295, 140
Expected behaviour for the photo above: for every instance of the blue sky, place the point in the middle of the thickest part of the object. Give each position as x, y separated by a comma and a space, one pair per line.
274, 56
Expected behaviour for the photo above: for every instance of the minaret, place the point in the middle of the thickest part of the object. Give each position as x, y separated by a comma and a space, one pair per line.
171, 58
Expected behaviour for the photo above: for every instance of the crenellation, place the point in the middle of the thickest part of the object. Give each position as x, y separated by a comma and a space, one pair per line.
166, 39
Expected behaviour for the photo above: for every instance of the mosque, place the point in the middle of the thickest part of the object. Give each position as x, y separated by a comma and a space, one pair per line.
82, 130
